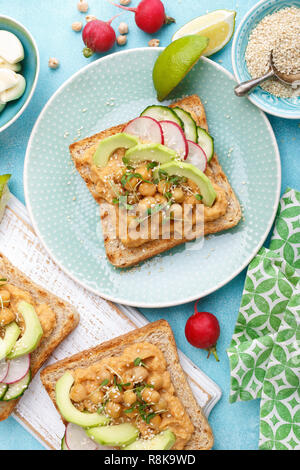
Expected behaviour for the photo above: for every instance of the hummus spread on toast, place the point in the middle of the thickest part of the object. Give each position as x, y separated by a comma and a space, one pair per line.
169, 199
134, 387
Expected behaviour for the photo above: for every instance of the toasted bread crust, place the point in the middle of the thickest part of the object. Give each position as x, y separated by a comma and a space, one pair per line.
121, 256
160, 334
66, 320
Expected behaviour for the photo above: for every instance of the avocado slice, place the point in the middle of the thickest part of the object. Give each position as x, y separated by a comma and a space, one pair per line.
152, 152
63, 445
68, 410
163, 441
188, 170
118, 435
32, 334
12, 333
111, 144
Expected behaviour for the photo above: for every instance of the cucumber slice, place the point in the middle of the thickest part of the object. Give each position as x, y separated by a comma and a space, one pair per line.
206, 141
119, 435
18, 388
3, 388
162, 113
190, 127
63, 444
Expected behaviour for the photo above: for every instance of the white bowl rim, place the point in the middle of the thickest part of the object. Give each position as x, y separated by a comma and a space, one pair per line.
37, 72
96, 291
235, 70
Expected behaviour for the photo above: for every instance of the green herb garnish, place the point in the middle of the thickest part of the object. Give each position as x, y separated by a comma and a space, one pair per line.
198, 197
151, 165
105, 382
138, 362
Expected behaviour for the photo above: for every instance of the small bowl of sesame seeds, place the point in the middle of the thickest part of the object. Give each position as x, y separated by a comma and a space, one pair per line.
271, 25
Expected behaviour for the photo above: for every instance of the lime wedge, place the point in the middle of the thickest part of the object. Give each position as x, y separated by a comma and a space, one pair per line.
175, 62
217, 25
4, 193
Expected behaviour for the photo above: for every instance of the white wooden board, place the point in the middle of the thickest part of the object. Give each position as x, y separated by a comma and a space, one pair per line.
100, 321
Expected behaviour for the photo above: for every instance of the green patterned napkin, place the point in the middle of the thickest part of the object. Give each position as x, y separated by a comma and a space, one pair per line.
264, 352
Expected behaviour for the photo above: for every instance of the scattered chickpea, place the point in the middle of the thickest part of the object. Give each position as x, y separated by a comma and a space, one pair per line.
82, 6
124, 2
115, 395
144, 172
154, 43
123, 28
121, 40
77, 26
53, 63
90, 18
155, 421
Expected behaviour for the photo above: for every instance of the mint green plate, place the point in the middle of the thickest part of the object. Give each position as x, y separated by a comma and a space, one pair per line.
113, 90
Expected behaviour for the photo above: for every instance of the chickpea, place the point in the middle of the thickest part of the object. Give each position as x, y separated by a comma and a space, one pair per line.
115, 395
77, 26
121, 40
155, 421
156, 381
53, 63
178, 195
150, 396
105, 375
97, 397
78, 393
163, 187
113, 409
154, 43
5, 296
146, 203
161, 405
147, 189
160, 199
123, 28
83, 6
144, 172
137, 374
129, 397
131, 184
124, 2
6, 316
89, 18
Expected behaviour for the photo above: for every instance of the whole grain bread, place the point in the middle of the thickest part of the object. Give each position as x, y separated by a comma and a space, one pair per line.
66, 320
121, 256
160, 334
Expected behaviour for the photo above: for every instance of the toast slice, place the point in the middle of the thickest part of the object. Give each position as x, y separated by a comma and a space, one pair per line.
121, 256
66, 320
160, 334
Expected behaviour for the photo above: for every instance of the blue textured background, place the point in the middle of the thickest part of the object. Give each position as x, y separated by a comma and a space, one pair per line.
235, 426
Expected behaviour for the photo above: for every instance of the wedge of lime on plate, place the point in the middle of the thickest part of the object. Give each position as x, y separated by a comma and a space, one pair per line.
4, 193
175, 61
218, 26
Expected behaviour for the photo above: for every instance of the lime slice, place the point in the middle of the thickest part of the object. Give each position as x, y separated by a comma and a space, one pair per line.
4, 193
217, 25
175, 62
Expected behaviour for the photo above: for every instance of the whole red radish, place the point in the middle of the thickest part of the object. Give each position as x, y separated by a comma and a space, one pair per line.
98, 36
202, 330
150, 15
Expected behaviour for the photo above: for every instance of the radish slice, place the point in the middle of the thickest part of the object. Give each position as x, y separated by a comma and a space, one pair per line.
18, 368
196, 156
4, 367
174, 138
146, 128
76, 439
